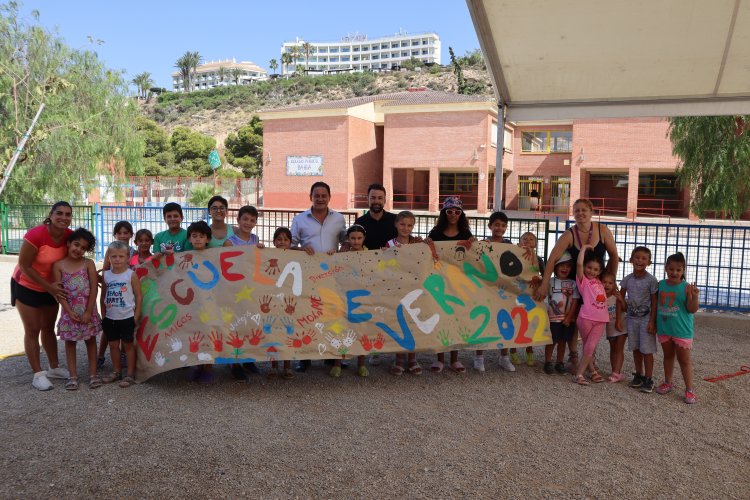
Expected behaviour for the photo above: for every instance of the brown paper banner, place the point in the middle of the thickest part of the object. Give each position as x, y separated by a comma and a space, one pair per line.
241, 304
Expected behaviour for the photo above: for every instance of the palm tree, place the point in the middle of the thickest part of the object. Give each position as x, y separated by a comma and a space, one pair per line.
295, 52
273, 64
195, 60
236, 74
223, 73
144, 82
286, 60
307, 49
183, 64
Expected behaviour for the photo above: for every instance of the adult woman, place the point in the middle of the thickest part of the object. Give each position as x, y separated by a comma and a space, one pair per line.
583, 232
220, 231
36, 296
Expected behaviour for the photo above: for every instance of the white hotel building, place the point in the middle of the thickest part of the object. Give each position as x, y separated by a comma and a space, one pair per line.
207, 75
358, 53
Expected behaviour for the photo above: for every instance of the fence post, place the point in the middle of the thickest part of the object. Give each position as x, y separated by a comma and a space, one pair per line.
3, 226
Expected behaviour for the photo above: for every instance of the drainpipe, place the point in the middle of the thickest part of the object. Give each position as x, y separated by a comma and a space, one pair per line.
499, 203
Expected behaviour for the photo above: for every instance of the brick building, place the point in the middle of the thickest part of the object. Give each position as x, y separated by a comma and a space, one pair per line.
425, 145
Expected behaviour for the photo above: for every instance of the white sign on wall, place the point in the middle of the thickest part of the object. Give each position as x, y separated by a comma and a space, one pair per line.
304, 165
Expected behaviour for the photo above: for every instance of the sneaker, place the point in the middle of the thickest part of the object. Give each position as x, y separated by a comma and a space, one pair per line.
362, 371
375, 359
41, 382
514, 358
637, 381
549, 369
530, 359
560, 368
58, 372
335, 371
648, 385
690, 397
506, 364
479, 363
665, 388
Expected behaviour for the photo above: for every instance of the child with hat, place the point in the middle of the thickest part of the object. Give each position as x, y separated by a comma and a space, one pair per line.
562, 306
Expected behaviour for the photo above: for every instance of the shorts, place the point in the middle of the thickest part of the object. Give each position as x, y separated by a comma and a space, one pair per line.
638, 337
561, 332
678, 341
30, 297
119, 329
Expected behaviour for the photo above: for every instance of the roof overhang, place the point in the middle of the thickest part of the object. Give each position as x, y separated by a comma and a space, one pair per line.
566, 59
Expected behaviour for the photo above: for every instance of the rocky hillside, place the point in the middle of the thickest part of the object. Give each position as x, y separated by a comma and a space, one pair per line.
217, 112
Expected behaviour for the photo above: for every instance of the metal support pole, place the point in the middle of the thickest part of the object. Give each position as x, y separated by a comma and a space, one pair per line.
499, 203
21, 144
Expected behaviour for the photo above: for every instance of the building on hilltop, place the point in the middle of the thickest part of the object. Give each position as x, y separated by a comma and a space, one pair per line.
208, 75
358, 53
424, 145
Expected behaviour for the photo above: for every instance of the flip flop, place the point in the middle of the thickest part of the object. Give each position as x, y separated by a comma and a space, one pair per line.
437, 367
457, 367
95, 382
580, 380
596, 378
71, 384
397, 370
415, 368
126, 382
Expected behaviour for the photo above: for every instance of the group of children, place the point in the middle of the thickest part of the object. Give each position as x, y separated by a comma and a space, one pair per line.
590, 304
642, 311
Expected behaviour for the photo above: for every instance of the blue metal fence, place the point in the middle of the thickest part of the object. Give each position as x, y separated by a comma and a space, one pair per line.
717, 257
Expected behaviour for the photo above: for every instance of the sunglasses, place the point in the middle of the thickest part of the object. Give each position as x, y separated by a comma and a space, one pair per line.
453, 211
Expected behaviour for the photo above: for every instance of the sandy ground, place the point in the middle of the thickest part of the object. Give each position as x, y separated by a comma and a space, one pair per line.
498, 434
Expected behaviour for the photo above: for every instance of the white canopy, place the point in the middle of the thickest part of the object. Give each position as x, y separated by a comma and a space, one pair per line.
565, 59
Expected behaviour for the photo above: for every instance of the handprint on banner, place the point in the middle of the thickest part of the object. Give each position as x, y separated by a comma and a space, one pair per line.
272, 267
236, 342
288, 325
195, 341
464, 333
207, 313
175, 344
379, 342
444, 337
257, 336
335, 342
217, 339
265, 304
301, 339
291, 305
226, 314
366, 344
350, 337
186, 260
501, 293
160, 359
268, 324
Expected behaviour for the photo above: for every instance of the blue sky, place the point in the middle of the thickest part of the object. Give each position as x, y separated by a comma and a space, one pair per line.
139, 37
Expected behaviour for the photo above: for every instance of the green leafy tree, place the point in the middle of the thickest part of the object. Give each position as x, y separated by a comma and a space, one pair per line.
458, 71
155, 138
714, 153
183, 65
194, 58
191, 150
143, 82
244, 148
87, 127
223, 73
273, 64
236, 75
200, 194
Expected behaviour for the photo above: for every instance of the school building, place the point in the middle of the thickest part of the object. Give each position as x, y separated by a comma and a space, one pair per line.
424, 145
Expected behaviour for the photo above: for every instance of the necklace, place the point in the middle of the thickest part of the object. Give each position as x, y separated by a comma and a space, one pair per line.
588, 239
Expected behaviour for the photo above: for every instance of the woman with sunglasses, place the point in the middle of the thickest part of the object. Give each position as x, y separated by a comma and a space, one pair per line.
220, 231
452, 225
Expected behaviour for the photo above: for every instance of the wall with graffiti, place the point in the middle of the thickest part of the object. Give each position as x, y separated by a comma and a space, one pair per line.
234, 305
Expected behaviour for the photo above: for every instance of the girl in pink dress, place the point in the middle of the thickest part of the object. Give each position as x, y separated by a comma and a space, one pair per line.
79, 319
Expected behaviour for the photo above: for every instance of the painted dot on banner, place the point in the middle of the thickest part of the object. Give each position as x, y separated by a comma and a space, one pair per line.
195, 266
324, 266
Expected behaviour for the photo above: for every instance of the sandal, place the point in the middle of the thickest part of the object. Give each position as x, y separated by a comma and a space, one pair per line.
457, 367
397, 370
415, 369
95, 382
580, 380
272, 374
71, 384
437, 367
596, 378
127, 382
112, 377
287, 374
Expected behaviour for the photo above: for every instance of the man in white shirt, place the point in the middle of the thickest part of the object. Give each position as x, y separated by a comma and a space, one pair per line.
319, 229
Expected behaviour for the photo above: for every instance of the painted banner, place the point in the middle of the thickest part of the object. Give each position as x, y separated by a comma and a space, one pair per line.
241, 304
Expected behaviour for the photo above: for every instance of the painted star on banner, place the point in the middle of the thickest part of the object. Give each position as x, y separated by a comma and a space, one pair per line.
244, 294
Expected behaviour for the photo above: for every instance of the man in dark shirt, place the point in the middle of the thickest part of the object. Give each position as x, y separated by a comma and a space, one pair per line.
379, 224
